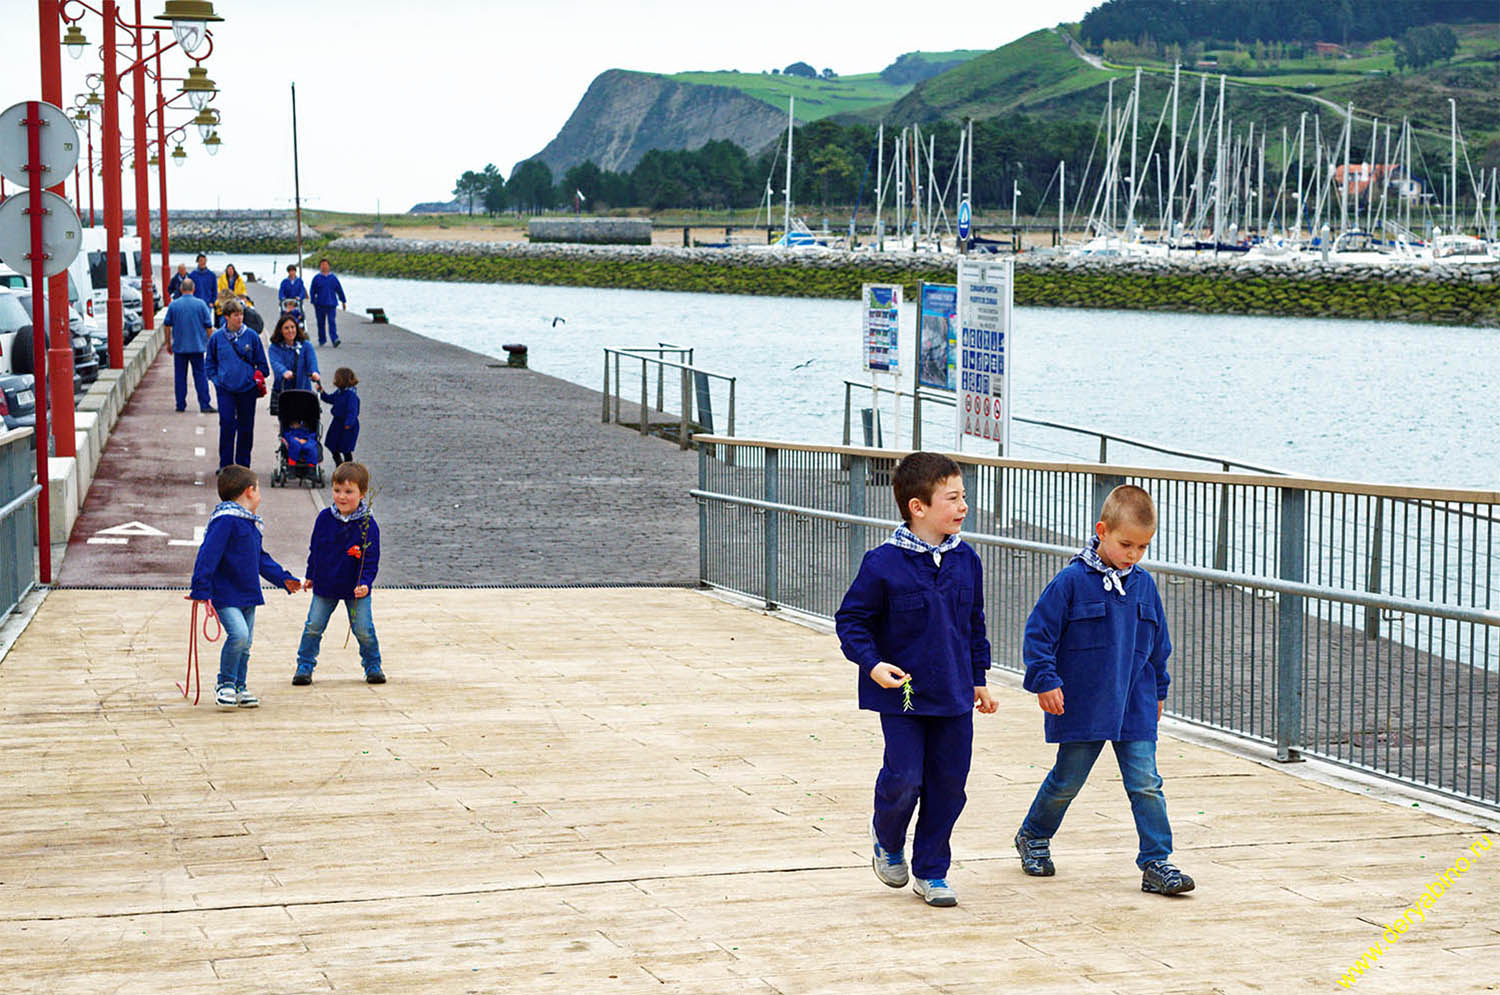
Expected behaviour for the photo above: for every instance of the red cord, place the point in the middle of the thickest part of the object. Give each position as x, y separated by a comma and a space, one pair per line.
192, 678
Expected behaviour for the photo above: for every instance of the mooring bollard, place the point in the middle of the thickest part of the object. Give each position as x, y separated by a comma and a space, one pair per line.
377, 316
515, 355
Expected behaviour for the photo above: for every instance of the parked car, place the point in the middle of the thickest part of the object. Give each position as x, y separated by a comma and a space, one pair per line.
85, 362
18, 400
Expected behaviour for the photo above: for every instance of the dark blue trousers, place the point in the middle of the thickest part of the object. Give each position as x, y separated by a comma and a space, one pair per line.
926, 761
181, 361
329, 315
236, 427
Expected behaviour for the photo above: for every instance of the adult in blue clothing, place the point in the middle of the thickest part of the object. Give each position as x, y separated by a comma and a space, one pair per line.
294, 362
327, 298
189, 322
205, 282
292, 288
234, 357
174, 288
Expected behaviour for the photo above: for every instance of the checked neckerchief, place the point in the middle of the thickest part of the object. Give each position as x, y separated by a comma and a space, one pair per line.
906, 539
1113, 579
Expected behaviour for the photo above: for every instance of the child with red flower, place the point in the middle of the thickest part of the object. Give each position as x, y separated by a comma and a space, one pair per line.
342, 559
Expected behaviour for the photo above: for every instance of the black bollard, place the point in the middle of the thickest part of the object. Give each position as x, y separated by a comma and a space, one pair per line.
516, 355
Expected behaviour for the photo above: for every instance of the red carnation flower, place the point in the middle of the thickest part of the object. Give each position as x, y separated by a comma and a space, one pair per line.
355, 552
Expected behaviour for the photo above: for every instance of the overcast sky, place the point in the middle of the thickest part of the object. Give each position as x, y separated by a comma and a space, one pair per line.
396, 99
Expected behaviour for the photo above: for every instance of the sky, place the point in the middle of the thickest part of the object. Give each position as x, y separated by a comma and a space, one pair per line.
396, 99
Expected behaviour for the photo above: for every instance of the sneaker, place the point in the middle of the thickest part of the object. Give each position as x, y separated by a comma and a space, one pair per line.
935, 892
246, 698
1036, 856
301, 678
227, 697
335, 343
1161, 877
890, 867
374, 676
210, 410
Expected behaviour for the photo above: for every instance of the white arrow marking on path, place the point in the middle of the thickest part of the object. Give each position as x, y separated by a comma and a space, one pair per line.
107, 541
196, 540
132, 529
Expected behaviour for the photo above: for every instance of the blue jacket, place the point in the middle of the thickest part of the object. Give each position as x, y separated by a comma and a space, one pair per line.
343, 427
1107, 651
327, 291
301, 359
926, 619
335, 573
292, 290
302, 446
174, 286
230, 363
205, 285
190, 320
231, 561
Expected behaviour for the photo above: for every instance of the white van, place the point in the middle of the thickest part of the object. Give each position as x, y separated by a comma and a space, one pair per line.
78, 278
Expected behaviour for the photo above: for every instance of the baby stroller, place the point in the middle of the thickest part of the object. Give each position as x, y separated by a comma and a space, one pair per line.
299, 443
292, 306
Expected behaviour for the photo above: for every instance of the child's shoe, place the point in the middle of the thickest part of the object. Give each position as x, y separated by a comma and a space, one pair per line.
374, 676
1036, 856
890, 867
246, 699
1161, 877
935, 892
302, 678
227, 696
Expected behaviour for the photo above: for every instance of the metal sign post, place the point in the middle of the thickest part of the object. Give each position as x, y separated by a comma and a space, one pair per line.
984, 315
880, 328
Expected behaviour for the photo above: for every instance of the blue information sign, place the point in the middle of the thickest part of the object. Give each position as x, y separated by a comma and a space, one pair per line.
963, 220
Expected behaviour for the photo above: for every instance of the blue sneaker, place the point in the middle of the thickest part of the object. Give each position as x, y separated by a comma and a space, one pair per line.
1036, 855
303, 677
936, 892
1161, 877
890, 867
374, 675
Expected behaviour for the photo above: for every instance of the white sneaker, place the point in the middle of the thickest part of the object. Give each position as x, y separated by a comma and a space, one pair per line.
246, 699
227, 697
935, 891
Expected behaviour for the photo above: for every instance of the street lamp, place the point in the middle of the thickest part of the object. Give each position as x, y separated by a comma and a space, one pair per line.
198, 87
74, 41
179, 156
206, 119
190, 20
212, 143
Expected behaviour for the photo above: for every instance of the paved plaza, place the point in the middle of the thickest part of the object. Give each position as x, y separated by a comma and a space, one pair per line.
630, 791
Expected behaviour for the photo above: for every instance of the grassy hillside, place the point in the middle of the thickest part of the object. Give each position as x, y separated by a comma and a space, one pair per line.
1031, 70
820, 98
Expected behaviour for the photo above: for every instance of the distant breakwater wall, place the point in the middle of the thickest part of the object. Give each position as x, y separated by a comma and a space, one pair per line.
1447, 294
229, 234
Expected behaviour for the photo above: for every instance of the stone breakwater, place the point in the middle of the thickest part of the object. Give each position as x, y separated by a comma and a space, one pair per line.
1451, 295
225, 234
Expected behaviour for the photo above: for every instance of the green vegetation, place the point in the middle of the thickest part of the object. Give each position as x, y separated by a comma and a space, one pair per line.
1218, 292
816, 98
1028, 72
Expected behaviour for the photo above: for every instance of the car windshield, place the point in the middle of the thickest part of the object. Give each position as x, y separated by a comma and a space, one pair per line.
12, 314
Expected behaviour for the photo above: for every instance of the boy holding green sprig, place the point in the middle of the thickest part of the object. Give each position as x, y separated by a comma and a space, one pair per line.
913, 620
342, 559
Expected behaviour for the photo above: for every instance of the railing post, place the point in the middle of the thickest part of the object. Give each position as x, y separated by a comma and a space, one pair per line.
687, 406
645, 413
703, 517
1290, 621
617, 388
1372, 577
1103, 449
771, 493
1103, 484
605, 417
1221, 532
916, 419
848, 410
661, 371
859, 472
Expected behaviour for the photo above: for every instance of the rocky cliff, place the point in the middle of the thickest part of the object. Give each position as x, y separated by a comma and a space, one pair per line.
626, 114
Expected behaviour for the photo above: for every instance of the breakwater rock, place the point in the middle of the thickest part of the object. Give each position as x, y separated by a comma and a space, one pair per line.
1466, 294
226, 233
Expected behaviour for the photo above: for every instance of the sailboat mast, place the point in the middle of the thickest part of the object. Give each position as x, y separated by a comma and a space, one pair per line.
1135, 118
1301, 158
791, 103
1219, 171
1172, 152
1453, 169
1344, 183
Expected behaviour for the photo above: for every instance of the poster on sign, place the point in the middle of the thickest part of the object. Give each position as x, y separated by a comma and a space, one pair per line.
937, 337
984, 350
881, 326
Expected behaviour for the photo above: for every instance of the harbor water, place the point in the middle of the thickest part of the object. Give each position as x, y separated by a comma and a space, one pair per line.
1341, 399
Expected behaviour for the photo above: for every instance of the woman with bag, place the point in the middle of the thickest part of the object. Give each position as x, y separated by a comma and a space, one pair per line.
236, 363
294, 364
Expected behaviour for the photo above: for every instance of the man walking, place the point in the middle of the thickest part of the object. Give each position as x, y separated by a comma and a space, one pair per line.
327, 297
188, 323
205, 283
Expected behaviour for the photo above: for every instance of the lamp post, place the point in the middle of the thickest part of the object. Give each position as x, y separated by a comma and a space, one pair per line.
189, 20
55, 319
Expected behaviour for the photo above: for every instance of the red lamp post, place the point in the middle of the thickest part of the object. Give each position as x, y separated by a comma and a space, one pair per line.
60, 354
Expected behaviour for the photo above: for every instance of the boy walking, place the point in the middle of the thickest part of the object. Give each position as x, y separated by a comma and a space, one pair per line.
913, 620
327, 298
227, 573
1098, 635
342, 560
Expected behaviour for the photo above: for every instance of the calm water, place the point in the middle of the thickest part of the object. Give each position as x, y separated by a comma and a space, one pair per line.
1343, 399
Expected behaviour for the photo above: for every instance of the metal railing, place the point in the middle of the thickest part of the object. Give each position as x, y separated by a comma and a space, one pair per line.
1353, 622
695, 400
18, 494
920, 398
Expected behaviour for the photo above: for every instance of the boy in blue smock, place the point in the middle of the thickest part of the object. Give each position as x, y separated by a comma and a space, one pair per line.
913, 621
1096, 649
227, 573
343, 558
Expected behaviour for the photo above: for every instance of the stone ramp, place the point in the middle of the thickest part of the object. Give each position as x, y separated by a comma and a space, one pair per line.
630, 791
482, 475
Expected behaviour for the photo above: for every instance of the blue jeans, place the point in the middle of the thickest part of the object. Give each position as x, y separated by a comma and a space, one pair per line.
181, 361
1137, 759
361, 621
329, 315
236, 427
234, 658
926, 761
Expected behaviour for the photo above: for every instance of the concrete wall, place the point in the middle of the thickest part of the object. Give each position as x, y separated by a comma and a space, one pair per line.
591, 231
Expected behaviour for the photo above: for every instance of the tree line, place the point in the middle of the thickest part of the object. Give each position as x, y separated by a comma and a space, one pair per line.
1224, 21
834, 165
